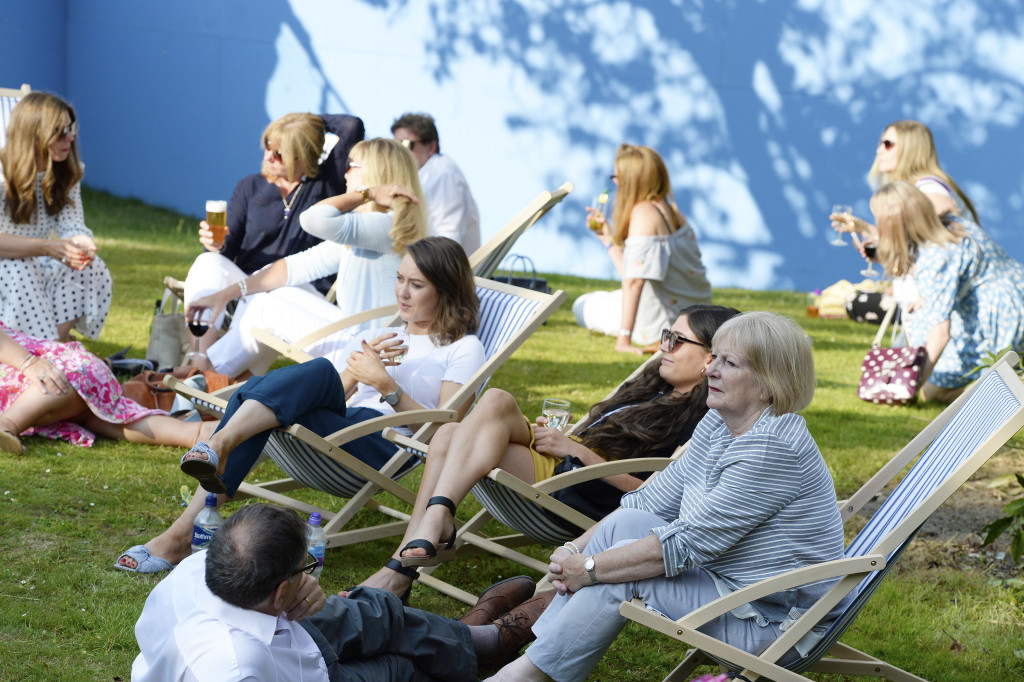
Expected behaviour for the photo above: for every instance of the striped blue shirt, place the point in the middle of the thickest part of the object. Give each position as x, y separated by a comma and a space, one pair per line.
747, 508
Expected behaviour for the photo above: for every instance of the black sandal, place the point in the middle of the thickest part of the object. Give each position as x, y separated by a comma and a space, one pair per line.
396, 566
434, 556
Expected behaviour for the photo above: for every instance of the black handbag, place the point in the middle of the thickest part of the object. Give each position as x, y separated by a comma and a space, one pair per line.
520, 272
596, 498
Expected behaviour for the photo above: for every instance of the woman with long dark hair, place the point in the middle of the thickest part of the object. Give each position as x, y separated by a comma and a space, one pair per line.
648, 417
436, 300
50, 285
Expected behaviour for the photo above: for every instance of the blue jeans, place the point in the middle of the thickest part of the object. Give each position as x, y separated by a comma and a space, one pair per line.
310, 394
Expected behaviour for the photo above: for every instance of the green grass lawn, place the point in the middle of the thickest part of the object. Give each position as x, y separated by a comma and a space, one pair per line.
66, 614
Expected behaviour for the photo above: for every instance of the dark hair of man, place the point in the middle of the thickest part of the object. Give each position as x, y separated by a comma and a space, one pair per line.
445, 265
258, 547
658, 417
421, 124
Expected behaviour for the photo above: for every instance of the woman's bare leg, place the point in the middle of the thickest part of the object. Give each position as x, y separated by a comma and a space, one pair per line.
152, 430
175, 543
932, 393
494, 434
64, 330
35, 408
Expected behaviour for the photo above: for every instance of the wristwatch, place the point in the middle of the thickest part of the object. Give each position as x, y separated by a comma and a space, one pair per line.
591, 569
393, 397
365, 192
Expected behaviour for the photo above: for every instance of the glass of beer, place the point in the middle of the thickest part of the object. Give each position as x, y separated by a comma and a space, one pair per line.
217, 219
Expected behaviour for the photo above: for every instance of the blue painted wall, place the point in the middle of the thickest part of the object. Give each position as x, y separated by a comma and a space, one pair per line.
766, 113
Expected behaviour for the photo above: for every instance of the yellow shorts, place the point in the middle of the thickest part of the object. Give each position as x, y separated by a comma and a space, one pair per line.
543, 465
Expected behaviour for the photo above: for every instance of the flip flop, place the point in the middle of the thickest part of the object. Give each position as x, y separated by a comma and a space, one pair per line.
203, 468
434, 556
145, 562
11, 443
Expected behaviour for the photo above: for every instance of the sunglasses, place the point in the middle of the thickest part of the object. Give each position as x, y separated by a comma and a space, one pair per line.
670, 339
276, 155
411, 144
888, 144
69, 132
353, 164
308, 568
613, 177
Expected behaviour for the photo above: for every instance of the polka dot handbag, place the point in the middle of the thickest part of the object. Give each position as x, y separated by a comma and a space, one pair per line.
890, 376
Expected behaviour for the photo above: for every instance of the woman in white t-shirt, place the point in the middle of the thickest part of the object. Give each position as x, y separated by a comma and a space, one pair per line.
653, 247
437, 301
906, 151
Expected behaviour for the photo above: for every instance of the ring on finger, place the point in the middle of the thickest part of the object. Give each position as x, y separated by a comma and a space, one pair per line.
42, 377
306, 599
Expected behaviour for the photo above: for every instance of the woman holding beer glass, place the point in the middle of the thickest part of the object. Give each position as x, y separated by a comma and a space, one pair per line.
647, 417
262, 220
654, 249
368, 229
50, 286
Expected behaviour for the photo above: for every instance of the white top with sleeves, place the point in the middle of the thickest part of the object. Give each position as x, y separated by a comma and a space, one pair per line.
451, 210
747, 508
187, 633
425, 366
356, 246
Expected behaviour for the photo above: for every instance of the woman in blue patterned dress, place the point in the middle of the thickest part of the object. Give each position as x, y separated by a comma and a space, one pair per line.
971, 291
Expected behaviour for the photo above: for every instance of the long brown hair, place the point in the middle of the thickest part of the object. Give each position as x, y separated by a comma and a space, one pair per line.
445, 265
656, 417
642, 176
35, 124
917, 159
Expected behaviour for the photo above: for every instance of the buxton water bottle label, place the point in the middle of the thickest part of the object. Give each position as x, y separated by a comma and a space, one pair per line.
201, 536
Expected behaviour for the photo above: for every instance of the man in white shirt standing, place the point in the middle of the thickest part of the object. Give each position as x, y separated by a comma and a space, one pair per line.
249, 609
451, 210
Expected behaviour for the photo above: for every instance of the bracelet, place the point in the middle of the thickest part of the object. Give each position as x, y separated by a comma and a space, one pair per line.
609, 246
571, 545
28, 360
625, 332
244, 288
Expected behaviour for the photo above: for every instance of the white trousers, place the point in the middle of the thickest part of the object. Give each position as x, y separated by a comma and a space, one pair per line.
289, 312
574, 632
601, 311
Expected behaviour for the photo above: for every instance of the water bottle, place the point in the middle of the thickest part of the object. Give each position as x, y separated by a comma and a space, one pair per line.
316, 540
208, 521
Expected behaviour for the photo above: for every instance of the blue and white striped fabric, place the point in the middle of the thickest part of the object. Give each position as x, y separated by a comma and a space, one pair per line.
523, 516
502, 317
6, 106
984, 411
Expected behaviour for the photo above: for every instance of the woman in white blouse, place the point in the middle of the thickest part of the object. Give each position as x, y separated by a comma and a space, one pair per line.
366, 231
50, 285
653, 247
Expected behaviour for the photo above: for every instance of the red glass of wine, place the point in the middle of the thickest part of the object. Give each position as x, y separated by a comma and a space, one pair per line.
198, 325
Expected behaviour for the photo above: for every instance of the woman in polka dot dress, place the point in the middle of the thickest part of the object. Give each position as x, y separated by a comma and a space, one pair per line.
48, 286
971, 291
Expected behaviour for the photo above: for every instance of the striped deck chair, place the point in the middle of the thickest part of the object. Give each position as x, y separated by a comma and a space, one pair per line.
531, 512
955, 445
508, 316
8, 98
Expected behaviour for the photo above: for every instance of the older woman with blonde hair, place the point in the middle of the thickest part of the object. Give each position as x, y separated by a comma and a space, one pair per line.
263, 212
50, 285
972, 291
366, 232
683, 540
653, 247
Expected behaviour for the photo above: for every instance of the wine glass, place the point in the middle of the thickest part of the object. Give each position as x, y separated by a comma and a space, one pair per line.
845, 210
557, 413
198, 325
402, 337
870, 250
598, 205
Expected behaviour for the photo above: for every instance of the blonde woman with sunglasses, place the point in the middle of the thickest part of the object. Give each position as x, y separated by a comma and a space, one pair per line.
50, 285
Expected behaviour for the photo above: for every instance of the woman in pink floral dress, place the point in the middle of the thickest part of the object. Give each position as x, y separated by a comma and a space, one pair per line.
61, 390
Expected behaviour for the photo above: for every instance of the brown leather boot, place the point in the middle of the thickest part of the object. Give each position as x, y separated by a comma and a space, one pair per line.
515, 629
500, 598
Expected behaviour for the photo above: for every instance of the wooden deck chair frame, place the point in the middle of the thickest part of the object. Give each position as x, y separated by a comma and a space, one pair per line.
954, 446
529, 509
358, 481
8, 99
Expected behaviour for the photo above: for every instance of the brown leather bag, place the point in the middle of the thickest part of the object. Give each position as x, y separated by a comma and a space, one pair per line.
148, 390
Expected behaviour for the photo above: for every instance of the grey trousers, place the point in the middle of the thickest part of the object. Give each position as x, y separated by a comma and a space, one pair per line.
575, 631
370, 636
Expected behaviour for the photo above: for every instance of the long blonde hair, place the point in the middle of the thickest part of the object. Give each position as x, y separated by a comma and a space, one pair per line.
906, 220
300, 139
642, 176
388, 161
916, 159
36, 122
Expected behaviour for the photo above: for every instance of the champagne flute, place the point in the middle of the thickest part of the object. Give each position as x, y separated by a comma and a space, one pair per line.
845, 210
557, 413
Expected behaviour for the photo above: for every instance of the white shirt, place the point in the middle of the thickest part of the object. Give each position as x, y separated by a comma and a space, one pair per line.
451, 210
187, 634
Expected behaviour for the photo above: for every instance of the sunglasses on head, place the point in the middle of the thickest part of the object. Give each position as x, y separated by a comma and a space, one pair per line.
670, 339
